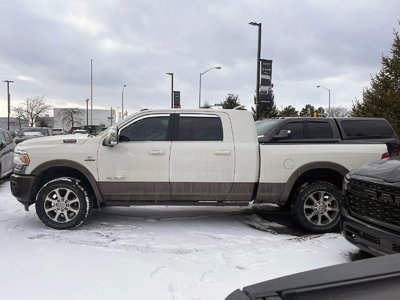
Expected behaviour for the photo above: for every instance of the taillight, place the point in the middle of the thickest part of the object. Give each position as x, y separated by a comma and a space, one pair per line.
398, 150
385, 155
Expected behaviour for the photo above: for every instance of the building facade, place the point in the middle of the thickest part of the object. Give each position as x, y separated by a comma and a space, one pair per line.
101, 117
15, 123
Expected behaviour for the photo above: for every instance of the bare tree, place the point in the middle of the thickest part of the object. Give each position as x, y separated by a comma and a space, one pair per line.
70, 117
206, 105
31, 110
339, 111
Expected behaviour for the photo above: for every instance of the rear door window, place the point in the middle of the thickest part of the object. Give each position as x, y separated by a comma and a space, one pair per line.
200, 128
319, 130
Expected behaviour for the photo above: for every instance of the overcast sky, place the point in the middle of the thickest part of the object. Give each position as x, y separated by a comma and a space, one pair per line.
46, 48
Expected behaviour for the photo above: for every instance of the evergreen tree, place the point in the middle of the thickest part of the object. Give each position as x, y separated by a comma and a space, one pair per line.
231, 101
288, 111
382, 98
266, 110
307, 111
320, 110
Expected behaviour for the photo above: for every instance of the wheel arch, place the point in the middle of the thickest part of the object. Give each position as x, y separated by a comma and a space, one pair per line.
315, 171
66, 168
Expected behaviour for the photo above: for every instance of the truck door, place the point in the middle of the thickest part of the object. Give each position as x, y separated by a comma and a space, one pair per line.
202, 157
137, 168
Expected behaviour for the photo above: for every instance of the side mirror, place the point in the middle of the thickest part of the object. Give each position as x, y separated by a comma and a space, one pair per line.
283, 134
112, 137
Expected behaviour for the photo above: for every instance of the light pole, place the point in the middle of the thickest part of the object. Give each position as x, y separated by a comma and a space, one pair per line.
329, 98
111, 115
217, 68
258, 65
8, 98
91, 92
172, 89
122, 106
87, 113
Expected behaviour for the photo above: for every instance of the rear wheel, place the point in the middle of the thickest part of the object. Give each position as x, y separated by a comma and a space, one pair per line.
62, 203
317, 207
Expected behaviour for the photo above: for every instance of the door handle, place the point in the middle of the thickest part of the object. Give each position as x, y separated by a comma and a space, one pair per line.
156, 152
222, 152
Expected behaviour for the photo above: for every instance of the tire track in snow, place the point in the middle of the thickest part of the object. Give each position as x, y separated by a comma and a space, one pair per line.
157, 270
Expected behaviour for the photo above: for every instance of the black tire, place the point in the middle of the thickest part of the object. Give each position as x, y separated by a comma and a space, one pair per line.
62, 203
316, 207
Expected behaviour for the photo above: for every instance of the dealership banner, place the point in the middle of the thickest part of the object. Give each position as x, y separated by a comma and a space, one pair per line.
265, 81
177, 99
266, 67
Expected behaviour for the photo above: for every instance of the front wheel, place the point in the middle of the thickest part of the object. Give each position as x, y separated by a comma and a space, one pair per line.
317, 207
62, 203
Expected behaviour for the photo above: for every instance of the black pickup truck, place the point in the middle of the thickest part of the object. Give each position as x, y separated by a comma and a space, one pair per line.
371, 207
368, 279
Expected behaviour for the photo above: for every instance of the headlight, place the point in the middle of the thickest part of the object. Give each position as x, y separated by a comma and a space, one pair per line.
21, 159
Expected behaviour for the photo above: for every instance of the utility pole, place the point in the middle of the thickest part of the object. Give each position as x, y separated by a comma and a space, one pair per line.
111, 116
87, 112
123, 101
329, 98
172, 89
258, 67
8, 98
91, 92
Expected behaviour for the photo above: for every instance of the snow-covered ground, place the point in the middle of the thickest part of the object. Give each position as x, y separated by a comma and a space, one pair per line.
154, 252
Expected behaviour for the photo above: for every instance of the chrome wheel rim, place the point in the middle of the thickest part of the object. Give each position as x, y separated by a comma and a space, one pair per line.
321, 208
62, 205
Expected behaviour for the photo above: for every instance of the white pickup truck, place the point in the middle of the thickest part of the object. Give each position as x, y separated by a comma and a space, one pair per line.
198, 157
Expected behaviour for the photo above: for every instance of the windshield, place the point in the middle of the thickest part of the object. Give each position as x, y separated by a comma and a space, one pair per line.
265, 126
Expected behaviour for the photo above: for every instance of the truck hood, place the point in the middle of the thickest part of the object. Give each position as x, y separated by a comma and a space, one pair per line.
54, 140
365, 279
387, 170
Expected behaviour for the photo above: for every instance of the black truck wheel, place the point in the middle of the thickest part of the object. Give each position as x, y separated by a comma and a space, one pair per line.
62, 203
317, 207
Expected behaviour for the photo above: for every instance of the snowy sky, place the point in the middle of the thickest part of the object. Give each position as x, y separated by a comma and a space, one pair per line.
46, 47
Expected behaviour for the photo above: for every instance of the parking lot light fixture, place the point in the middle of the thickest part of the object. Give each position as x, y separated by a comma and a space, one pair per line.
201, 74
8, 101
329, 98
